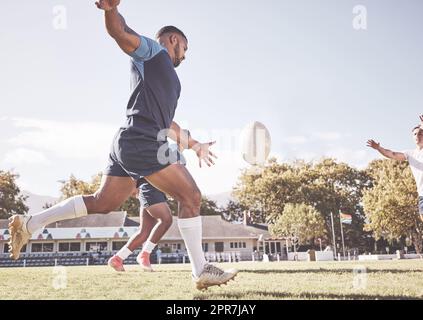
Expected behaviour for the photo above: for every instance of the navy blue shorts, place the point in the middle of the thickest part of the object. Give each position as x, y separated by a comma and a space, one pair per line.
148, 194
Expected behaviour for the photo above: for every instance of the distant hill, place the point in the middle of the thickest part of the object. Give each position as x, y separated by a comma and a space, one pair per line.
221, 199
36, 202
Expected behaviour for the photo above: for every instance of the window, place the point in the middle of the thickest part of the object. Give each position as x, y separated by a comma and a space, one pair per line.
6, 248
96, 246
205, 247
64, 246
42, 247
236, 245
36, 247
218, 246
48, 247
117, 245
75, 247
278, 247
244, 245
273, 247
232, 245
69, 246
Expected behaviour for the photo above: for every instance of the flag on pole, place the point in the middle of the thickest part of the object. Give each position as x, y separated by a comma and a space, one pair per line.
346, 218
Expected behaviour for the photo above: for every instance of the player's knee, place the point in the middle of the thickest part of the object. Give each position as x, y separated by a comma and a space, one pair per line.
101, 206
100, 203
196, 198
104, 210
192, 200
167, 221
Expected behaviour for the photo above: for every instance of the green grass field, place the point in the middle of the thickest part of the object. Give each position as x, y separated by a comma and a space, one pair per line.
284, 280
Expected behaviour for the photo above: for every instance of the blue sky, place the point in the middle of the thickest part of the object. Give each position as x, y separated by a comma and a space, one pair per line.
320, 86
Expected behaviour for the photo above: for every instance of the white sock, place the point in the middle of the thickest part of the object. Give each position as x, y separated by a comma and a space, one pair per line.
124, 253
192, 232
69, 209
148, 246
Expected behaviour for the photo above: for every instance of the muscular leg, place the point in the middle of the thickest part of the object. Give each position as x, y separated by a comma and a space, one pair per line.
160, 212
155, 221
142, 234
112, 193
176, 181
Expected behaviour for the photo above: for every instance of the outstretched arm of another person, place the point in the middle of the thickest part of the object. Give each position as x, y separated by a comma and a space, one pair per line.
399, 156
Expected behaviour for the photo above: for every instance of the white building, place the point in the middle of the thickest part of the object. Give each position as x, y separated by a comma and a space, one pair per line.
222, 240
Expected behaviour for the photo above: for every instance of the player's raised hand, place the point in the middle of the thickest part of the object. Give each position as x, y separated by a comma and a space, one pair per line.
421, 119
373, 144
107, 5
203, 153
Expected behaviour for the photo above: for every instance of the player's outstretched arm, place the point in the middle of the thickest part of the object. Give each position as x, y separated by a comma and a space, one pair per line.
126, 38
385, 152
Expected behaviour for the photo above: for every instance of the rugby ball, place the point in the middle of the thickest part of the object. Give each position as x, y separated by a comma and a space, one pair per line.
255, 143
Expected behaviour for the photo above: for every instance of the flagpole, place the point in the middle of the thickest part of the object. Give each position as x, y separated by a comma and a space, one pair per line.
342, 233
333, 234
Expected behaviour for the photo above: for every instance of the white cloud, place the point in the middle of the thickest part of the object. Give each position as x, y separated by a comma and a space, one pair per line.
313, 137
359, 158
296, 140
22, 156
82, 140
326, 136
219, 178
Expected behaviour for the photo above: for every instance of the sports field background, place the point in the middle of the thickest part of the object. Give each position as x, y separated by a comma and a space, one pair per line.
256, 281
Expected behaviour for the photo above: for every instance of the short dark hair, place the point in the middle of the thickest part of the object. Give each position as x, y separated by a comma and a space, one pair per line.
415, 128
170, 29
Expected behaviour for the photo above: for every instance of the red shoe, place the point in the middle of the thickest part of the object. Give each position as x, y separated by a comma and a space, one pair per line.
144, 261
116, 263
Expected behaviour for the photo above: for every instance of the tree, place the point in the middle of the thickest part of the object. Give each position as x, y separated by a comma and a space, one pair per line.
208, 207
301, 221
74, 187
327, 186
391, 202
11, 201
234, 211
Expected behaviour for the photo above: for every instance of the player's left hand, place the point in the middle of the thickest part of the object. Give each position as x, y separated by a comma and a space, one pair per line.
107, 5
421, 120
204, 154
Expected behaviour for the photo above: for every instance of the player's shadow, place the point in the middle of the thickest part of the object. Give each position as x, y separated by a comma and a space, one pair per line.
322, 270
244, 295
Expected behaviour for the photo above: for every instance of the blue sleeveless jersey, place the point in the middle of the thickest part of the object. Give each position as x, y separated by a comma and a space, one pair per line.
155, 90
